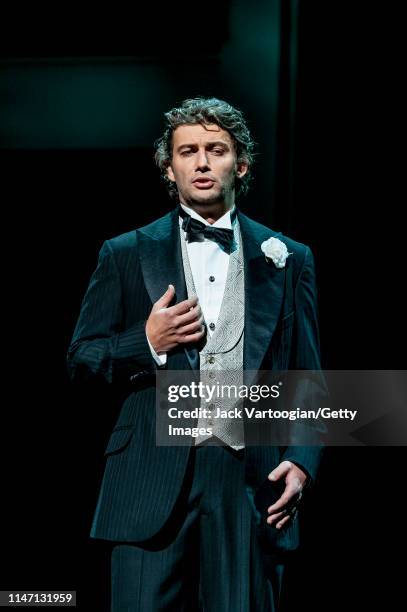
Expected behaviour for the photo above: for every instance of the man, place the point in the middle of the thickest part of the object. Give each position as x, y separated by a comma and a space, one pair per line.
193, 291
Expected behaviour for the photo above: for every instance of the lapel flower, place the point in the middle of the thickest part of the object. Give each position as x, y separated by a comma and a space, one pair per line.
276, 250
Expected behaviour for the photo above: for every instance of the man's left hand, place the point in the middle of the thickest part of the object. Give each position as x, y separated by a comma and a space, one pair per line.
285, 508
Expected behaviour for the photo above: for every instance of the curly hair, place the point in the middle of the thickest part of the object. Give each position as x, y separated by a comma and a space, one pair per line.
206, 111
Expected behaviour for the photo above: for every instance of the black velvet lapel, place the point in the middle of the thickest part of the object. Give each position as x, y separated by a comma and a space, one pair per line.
161, 262
264, 290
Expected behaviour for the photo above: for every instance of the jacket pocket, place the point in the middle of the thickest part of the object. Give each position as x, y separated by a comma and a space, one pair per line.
119, 439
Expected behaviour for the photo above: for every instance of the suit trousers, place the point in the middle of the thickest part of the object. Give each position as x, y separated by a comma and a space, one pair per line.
207, 556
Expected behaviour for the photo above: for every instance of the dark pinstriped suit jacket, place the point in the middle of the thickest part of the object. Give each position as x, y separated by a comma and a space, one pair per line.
142, 481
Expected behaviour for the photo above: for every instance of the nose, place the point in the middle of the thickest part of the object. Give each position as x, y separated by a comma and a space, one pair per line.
202, 162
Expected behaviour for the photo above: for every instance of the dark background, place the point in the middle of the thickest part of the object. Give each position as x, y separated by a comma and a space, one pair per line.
82, 97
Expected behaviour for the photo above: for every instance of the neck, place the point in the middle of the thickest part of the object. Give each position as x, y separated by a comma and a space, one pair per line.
210, 212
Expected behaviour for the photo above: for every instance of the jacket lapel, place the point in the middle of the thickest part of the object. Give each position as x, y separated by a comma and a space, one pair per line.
161, 263
264, 290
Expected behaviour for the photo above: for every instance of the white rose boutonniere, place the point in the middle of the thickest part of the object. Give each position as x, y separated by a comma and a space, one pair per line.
276, 250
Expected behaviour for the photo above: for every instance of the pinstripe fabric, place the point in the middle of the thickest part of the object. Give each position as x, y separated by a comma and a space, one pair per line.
140, 486
141, 482
109, 340
212, 543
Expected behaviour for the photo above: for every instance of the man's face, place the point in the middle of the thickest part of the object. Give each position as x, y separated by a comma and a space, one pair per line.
204, 165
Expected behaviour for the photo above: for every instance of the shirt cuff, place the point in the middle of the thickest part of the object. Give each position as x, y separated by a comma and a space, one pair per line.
159, 359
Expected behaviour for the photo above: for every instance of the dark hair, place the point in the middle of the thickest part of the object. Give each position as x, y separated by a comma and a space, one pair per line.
206, 111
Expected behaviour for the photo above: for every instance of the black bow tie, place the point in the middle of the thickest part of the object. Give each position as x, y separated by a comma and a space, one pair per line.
197, 231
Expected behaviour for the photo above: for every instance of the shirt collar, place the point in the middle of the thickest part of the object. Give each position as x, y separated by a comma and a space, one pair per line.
224, 221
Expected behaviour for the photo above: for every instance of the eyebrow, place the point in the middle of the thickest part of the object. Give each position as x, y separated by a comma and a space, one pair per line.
212, 143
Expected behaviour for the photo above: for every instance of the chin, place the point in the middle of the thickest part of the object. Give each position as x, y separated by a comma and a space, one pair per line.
207, 198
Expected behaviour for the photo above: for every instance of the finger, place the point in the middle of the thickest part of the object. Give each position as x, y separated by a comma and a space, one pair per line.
281, 470
275, 517
165, 299
295, 483
288, 494
191, 328
283, 521
184, 306
192, 337
289, 505
192, 315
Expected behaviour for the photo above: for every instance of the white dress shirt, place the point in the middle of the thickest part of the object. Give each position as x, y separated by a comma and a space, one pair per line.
209, 266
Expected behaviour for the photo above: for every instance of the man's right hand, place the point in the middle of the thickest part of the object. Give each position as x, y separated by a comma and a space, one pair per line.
167, 326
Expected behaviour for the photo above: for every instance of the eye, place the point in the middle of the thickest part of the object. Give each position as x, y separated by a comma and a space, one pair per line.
218, 151
186, 152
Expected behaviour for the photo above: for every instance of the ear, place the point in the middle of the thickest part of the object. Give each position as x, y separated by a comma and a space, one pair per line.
241, 169
170, 174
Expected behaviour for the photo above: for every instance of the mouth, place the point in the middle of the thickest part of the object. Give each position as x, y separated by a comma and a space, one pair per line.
203, 182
